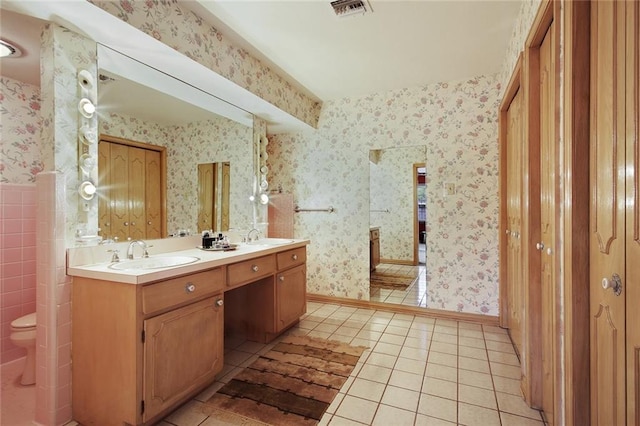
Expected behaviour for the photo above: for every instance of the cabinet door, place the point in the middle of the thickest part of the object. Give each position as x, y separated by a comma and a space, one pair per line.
183, 351
153, 194
291, 296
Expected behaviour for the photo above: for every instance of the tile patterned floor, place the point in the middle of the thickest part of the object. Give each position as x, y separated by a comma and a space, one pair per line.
417, 371
414, 295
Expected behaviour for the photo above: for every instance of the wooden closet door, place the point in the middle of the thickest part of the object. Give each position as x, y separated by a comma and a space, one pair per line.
608, 227
119, 193
548, 164
153, 194
206, 197
137, 196
632, 203
104, 189
514, 220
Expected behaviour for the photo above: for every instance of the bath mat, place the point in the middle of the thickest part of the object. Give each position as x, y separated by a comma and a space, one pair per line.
391, 281
292, 384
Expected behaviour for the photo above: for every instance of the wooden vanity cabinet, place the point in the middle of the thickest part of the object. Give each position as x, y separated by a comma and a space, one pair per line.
141, 350
269, 305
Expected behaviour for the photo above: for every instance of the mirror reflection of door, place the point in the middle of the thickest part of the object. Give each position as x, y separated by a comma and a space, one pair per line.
131, 189
214, 181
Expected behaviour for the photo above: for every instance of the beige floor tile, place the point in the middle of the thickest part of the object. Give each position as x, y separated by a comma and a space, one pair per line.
366, 389
341, 421
471, 342
319, 334
473, 333
473, 378
447, 322
437, 407
335, 403
472, 415
406, 380
479, 365
382, 360
190, 414
387, 415
462, 325
347, 331
439, 328
445, 338
400, 331
414, 353
446, 348
403, 321
497, 337
369, 335
357, 409
504, 370
442, 358
394, 339
387, 348
375, 373
506, 347
472, 352
507, 385
439, 387
410, 366
401, 398
442, 372
503, 358
513, 404
477, 396
511, 420
339, 338
418, 343
422, 420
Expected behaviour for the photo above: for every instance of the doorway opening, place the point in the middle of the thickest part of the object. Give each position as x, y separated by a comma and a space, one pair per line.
420, 173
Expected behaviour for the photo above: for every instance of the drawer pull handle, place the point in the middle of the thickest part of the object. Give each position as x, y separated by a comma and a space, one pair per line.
281, 278
254, 268
190, 288
219, 302
294, 257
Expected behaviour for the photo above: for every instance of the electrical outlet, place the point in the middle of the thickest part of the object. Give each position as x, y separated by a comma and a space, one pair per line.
449, 188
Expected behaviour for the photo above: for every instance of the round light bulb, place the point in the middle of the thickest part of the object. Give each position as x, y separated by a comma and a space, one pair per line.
264, 199
87, 190
86, 108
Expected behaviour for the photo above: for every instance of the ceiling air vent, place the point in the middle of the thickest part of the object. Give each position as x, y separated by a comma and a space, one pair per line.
344, 8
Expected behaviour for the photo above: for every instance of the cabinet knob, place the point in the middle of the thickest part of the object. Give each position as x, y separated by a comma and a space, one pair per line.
219, 302
539, 246
190, 288
615, 283
294, 257
254, 268
149, 223
133, 224
126, 224
281, 278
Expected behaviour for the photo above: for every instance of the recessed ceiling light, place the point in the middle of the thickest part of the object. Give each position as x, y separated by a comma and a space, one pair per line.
8, 50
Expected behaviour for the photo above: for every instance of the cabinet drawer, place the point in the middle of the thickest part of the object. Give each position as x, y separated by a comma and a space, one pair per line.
290, 258
179, 290
374, 234
250, 270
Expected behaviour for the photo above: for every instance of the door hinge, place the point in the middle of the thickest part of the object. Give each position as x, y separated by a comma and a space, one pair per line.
142, 407
143, 336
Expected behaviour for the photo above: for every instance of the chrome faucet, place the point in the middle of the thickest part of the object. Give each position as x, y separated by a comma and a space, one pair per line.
257, 237
134, 243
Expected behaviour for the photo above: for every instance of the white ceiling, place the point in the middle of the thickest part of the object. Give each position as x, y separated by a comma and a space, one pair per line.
400, 44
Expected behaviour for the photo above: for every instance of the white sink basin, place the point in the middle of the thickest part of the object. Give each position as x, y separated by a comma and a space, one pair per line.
154, 262
270, 241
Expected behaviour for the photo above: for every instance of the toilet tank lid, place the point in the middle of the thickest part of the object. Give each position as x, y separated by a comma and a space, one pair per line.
28, 320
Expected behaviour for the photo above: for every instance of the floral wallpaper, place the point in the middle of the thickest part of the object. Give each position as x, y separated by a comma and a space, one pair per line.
391, 183
457, 122
176, 26
20, 129
215, 140
527, 14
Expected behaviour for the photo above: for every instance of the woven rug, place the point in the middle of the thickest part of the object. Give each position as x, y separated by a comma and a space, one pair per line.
292, 384
391, 281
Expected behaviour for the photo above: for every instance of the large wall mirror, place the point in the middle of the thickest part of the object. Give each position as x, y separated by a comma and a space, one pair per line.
397, 178
205, 176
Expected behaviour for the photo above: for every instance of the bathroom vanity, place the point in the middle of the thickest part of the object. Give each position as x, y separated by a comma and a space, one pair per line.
144, 341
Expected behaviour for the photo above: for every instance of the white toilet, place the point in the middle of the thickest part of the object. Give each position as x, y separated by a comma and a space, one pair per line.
23, 334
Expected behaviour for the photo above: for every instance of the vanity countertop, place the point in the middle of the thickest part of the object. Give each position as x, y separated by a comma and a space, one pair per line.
81, 261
